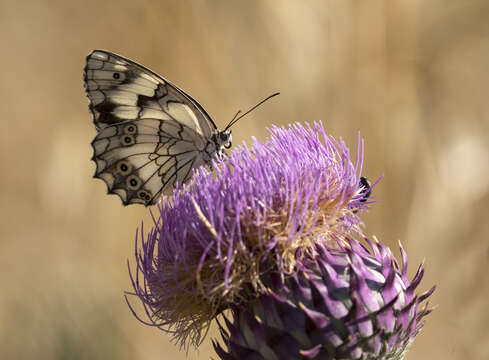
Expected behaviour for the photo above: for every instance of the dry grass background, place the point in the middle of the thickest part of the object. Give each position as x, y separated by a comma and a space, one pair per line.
411, 75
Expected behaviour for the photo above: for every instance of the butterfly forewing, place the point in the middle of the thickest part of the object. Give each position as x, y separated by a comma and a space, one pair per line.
150, 133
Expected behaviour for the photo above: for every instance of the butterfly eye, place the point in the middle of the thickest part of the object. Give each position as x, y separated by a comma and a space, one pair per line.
130, 129
128, 140
124, 167
133, 182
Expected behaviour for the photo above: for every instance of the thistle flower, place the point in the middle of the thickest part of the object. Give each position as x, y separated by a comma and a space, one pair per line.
344, 302
217, 236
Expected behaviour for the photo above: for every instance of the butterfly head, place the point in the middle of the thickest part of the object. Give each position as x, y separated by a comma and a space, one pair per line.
223, 139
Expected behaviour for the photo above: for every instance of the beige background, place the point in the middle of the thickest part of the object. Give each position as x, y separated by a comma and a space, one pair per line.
412, 76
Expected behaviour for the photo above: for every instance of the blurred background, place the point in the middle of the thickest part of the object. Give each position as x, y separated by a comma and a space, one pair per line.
410, 75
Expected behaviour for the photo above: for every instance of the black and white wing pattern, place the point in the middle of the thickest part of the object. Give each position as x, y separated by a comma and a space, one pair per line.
151, 134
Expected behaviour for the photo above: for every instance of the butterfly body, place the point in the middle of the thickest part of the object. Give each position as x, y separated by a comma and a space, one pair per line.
151, 134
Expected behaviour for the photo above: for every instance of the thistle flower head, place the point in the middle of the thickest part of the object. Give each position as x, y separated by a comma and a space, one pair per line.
342, 303
217, 236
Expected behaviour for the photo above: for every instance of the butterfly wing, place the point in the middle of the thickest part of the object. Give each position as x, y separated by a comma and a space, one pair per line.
150, 133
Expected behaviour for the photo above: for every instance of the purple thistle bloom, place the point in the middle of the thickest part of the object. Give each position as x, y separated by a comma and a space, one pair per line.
344, 302
218, 235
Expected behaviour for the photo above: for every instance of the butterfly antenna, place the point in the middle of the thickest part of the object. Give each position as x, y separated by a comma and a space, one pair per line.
235, 119
239, 111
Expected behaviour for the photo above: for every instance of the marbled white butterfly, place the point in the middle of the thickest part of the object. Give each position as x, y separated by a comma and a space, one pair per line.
151, 134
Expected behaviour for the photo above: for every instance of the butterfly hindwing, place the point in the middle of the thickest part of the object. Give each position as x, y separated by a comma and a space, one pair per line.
150, 133
140, 160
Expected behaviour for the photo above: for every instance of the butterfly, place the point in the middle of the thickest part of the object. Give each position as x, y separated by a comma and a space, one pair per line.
150, 134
